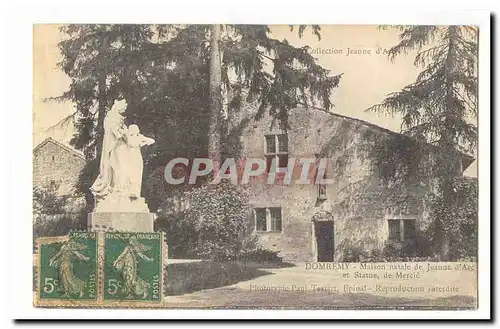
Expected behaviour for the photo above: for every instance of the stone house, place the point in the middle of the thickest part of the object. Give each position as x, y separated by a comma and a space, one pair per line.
376, 196
362, 209
57, 164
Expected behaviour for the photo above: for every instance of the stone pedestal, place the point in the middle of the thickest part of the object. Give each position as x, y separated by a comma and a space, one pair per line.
121, 213
120, 221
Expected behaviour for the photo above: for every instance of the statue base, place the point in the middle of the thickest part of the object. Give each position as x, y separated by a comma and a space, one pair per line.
120, 212
117, 202
120, 221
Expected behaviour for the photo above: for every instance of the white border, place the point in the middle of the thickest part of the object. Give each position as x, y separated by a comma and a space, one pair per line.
17, 112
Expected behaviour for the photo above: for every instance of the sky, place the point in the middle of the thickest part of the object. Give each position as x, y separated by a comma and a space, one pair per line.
355, 51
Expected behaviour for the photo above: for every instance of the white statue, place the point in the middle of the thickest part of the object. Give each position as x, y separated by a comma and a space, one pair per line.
128, 162
121, 165
114, 129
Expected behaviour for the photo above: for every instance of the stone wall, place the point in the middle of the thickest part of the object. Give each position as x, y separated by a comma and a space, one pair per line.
344, 141
57, 164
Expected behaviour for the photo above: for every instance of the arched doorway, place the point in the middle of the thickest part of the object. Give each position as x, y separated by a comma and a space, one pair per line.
323, 237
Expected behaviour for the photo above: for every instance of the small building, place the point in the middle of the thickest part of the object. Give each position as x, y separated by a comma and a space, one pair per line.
59, 165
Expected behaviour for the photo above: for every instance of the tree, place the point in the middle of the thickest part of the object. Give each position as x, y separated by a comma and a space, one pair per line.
463, 209
173, 78
187, 64
437, 109
245, 60
215, 109
101, 61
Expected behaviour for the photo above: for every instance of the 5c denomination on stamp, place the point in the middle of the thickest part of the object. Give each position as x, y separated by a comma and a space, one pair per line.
67, 268
132, 269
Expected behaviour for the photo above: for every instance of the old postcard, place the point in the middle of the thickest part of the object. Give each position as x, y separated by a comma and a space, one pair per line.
236, 166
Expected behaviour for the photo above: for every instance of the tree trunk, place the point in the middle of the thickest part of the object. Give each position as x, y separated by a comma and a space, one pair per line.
101, 96
215, 98
448, 162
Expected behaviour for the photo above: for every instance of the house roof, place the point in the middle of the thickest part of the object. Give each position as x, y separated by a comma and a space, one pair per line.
67, 148
467, 159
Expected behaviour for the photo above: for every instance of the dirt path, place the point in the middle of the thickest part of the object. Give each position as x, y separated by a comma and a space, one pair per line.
299, 286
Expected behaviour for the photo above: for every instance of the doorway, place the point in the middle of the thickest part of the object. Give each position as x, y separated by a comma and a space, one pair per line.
324, 240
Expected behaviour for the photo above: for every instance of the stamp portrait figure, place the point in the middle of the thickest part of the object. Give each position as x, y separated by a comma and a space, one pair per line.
64, 259
128, 263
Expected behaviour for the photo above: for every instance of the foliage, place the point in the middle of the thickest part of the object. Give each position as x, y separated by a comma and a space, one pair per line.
201, 230
294, 77
437, 108
463, 210
261, 255
351, 253
58, 225
417, 248
414, 249
462, 229
163, 73
46, 200
390, 252
51, 216
397, 170
104, 62
181, 234
220, 215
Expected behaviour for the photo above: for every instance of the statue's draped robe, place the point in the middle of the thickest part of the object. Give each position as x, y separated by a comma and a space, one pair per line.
113, 132
129, 163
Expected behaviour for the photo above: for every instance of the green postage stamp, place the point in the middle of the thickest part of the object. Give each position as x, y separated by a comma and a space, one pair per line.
99, 269
132, 268
67, 269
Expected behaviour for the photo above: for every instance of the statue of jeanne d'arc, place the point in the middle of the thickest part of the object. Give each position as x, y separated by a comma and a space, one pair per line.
121, 163
114, 129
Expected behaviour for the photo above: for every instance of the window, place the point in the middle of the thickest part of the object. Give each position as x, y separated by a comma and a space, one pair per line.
394, 230
260, 219
322, 191
268, 219
270, 144
401, 230
275, 219
282, 143
409, 229
276, 148
321, 187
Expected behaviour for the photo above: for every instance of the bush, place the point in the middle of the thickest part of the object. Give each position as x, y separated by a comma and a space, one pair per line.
261, 255
50, 214
457, 218
413, 250
181, 234
221, 217
351, 254
46, 201
58, 225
